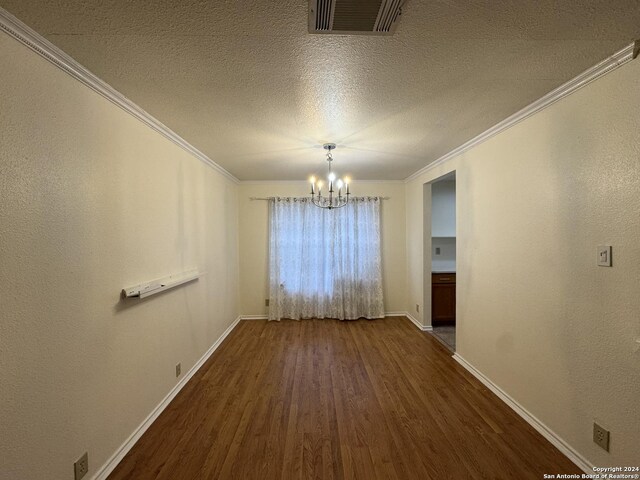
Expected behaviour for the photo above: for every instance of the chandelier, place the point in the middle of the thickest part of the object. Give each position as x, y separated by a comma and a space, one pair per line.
332, 200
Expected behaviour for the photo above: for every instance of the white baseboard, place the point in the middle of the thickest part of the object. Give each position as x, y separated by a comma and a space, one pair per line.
424, 328
545, 431
253, 317
115, 459
386, 314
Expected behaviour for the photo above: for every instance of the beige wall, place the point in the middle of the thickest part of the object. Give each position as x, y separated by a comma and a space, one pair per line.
91, 201
254, 215
535, 313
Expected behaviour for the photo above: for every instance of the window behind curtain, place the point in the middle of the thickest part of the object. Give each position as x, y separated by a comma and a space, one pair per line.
325, 263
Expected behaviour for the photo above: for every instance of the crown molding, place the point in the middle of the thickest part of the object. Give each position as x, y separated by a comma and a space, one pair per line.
609, 64
353, 181
304, 182
36, 42
267, 182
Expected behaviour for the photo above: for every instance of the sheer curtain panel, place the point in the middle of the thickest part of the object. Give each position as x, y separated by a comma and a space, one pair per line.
325, 263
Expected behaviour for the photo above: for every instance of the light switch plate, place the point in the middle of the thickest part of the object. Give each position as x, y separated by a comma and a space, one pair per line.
604, 255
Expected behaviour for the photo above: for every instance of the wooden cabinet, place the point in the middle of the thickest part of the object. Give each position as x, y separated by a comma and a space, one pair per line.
443, 298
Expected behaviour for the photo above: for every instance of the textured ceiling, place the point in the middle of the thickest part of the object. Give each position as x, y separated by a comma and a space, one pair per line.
245, 83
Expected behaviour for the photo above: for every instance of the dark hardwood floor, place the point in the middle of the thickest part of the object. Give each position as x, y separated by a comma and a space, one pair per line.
322, 399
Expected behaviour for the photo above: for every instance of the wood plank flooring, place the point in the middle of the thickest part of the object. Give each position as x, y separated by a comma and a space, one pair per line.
323, 399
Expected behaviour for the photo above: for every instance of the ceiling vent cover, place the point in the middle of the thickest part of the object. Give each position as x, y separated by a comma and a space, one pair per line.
368, 17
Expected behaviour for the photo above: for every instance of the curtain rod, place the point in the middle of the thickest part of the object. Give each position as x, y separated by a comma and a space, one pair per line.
272, 198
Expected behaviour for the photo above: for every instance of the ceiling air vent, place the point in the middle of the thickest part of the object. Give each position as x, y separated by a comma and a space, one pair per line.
368, 17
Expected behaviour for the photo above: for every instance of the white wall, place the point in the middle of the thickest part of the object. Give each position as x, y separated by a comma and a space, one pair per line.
443, 226
254, 216
535, 314
445, 261
443, 205
91, 201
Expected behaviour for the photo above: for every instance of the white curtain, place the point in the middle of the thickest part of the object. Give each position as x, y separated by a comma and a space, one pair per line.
325, 263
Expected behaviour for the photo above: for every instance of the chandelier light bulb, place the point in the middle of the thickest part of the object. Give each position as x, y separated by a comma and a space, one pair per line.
312, 179
347, 180
332, 177
340, 183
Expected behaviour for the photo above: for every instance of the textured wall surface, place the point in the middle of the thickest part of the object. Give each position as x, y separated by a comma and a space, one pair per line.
254, 216
535, 313
247, 84
91, 201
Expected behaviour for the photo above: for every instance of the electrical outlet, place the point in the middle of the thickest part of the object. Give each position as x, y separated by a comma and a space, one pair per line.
417, 308
601, 436
81, 466
178, 369
266, 302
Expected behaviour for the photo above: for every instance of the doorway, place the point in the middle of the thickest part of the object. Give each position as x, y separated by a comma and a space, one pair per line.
442, 273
